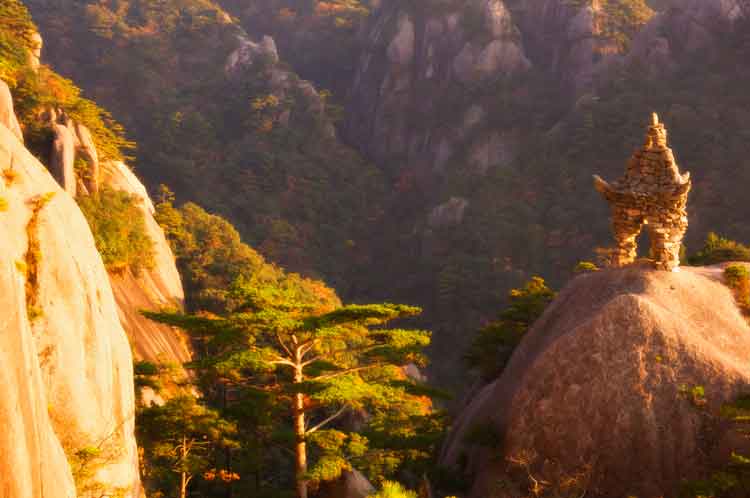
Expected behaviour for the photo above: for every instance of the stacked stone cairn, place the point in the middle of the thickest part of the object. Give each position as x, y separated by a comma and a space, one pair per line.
652, 193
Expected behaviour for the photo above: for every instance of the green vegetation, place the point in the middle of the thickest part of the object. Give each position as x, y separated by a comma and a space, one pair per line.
718, 250
585, 267
492, 348
738, 279
249, 321
35, 91
33, 256
392, 489
733, 480
317, 367
119, 229
295, 192
210, 256
179, 439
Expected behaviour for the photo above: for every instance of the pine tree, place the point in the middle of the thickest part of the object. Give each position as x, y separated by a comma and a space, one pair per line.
318, 364
181, 434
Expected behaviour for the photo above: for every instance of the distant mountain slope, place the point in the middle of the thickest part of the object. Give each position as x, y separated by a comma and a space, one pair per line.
221, 119
486, 119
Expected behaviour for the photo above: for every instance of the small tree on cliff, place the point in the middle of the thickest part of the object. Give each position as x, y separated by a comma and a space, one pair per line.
320, 365
493, 346
180, 437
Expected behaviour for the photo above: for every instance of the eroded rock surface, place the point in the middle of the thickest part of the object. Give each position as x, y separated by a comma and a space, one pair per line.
7, 115
602, 384
68, 363
154, 288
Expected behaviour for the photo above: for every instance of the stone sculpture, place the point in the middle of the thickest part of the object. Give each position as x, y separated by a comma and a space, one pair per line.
652, 193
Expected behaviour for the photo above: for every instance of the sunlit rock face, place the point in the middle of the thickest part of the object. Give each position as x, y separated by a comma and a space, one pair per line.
600, 389
67, 361
153, 288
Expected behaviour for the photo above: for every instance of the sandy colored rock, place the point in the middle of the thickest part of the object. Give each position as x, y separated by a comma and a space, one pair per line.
7, 116
32, 462
598, 381
62, 156
86, 150
82, 355
35, 54
153, 289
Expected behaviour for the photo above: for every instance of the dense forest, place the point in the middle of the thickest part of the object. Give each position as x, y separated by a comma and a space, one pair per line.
296, 235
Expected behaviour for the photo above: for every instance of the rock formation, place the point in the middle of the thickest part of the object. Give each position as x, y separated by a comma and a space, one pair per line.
442, 64
66, 360
351, 484
652, 193
154, 288
71, 141
86, 150
7, 115
603, 384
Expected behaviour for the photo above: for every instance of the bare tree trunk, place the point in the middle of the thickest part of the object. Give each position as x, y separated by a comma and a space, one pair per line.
300, 449
183, 474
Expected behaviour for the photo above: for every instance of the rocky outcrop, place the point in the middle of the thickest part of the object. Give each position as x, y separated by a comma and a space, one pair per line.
248, 52
67, 351
351, 484
307, 110
620, 382
32, 461
154, 288
416, 63
86, 150
450, 213
35, 54
7, 115
443, 64
72, 141
685, 29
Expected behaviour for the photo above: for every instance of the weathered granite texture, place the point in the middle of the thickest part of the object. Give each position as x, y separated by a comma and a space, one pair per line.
652, 193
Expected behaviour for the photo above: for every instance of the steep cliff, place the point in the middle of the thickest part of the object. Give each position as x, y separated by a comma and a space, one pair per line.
153, 288
62, 331
428, 80
619, 384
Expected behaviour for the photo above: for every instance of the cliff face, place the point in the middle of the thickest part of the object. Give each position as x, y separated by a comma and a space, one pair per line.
603, 387
414, 63
154, 288
67, 359
424, 86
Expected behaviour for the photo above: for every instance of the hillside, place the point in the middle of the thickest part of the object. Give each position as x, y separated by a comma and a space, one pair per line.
619, 387
211, 104
485, 119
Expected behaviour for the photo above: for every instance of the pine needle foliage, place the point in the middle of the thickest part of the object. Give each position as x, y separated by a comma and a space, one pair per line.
718, 249
320, 366
119, 229
493, 346
392, 489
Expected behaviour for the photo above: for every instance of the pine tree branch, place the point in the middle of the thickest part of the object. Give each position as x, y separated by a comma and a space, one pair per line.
326, 421
283, 345
344, 372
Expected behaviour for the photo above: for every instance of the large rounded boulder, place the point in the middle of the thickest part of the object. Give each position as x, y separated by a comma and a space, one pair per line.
618, 386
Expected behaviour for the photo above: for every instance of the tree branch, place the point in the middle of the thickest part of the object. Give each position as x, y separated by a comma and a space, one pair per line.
327, 420
283, 345
345, 372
